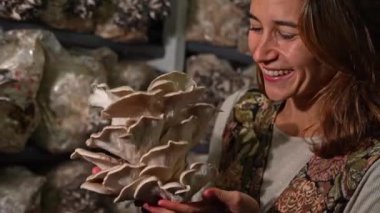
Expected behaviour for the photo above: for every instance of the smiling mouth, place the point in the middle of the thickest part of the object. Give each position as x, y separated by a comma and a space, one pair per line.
276, 72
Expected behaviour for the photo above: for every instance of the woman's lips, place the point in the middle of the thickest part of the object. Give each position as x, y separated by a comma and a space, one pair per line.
273, 75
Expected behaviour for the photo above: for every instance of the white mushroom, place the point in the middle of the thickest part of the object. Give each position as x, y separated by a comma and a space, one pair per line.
135, 105
148, 139
101, 160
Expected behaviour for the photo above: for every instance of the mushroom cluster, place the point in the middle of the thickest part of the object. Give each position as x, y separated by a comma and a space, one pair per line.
135, 14
85, 9
146, 144
20, 9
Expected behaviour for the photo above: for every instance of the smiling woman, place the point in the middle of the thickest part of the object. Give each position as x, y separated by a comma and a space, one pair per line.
308, 140
288, 68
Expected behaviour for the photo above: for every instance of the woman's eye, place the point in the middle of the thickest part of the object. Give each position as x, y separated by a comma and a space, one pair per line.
255, 29
287, 36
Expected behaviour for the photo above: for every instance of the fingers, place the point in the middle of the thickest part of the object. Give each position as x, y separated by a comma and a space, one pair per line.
220, 195
156, 209
165, 206
215, 200
230, 199
180, 207
235, 201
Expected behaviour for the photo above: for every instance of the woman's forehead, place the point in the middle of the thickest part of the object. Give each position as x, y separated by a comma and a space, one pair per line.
277, 9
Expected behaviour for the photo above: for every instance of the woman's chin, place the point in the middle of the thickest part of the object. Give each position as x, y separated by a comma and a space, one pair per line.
276, 95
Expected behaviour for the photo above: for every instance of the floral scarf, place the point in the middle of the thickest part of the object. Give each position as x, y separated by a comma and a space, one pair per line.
323, 185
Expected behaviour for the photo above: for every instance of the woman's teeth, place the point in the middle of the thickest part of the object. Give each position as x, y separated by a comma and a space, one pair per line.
276, 73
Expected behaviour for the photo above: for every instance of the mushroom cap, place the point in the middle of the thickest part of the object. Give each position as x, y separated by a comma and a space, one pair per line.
147, 141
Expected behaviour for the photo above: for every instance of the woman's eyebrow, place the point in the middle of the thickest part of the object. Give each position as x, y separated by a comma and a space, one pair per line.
286, 23
251, 16
277, 22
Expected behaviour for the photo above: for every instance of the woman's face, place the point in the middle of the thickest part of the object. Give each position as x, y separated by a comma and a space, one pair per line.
288, 68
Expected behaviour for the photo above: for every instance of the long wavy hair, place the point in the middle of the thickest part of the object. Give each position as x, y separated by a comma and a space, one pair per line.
344, 35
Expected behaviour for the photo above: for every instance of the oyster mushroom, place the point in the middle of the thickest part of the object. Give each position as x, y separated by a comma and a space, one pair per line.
128, 143
96, 187
146, 144
101, 160
176, 79
139, 103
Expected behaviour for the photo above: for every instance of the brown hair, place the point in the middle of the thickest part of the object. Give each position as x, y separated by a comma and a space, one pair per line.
342, 34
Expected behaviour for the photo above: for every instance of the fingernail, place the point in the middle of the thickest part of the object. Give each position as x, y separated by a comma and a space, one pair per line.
95, 170
145, 206
160, 202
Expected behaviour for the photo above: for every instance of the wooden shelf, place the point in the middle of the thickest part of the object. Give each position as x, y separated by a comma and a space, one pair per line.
87, 40
228, 53
32, 156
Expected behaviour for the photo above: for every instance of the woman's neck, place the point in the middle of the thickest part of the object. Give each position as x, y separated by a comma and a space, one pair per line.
300, 118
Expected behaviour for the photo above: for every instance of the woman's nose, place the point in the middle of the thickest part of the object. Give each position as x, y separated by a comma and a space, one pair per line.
264, 50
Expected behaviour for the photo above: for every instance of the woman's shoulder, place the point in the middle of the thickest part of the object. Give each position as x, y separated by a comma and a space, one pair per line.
366, 196
359, 162
361, 179
254, 96
254, 105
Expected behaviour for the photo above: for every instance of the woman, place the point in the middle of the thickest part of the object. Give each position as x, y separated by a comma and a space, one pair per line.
314, 147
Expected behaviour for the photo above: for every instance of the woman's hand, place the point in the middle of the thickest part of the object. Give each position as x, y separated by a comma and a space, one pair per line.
214, 200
